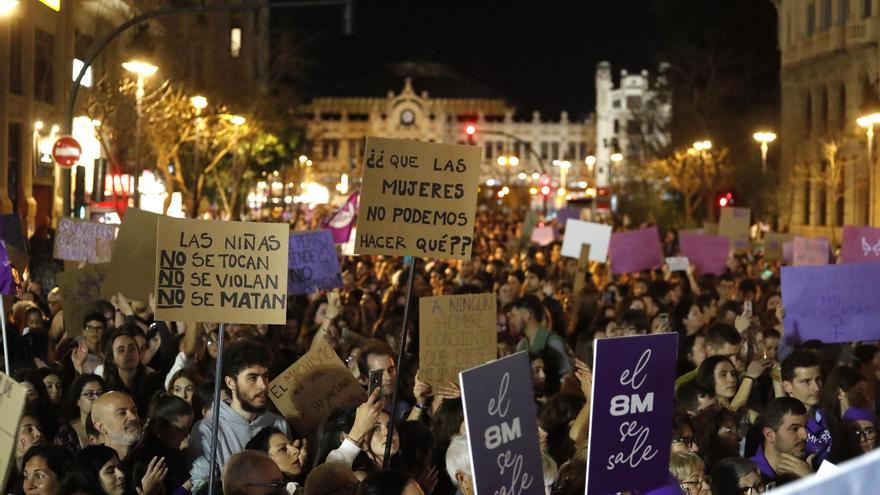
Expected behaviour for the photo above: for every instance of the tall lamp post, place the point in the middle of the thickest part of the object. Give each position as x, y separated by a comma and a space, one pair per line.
765, 138
868, 122
507, 162
142, 70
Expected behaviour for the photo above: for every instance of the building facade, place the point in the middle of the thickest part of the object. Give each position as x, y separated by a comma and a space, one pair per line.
829, 75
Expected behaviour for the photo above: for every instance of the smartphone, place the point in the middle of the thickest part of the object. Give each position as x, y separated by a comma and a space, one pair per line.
375, 381
747, 307
608, 298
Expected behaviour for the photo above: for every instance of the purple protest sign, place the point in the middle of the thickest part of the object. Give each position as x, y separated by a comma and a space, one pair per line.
312, 263
631, 410
564, 214
543, 235
860, 245
635, 250
7, 280
501, 419
807, 251
831, 303
708, 253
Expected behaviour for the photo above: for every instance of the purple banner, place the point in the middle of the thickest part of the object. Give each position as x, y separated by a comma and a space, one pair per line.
7, 280
831, 303
564, 214
312, 264
632, 400
860, 245
501, 419
635, 250
708, 253
342, 221
807, 251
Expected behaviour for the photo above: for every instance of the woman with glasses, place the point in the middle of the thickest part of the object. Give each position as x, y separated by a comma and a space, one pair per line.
44, 467
736, 476
688, 469
718, 434
76, 408
683, 434
859, 428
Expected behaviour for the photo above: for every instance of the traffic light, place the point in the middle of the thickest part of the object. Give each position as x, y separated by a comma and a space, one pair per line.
603, 198
725, 199
471, 130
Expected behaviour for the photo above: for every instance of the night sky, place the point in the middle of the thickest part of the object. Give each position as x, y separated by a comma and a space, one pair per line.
541, 55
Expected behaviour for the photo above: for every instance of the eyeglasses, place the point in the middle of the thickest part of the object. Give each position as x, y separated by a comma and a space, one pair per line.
94, 328
726, 430
91, 395
687, 441
868, 433
758, 487
697, 483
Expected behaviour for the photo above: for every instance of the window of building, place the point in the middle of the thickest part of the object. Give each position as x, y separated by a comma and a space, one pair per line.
16, 85
517, 149
823, 110
808, 200
615, 104
634, 102
616, 126
44, 81
839, 206
841, 107
489, 150
633, 127
582, 150
808, 113
572, 151
235, 42
825, 15
811, 18
842, 12
867, 8
822, 200
545, 150
554, 151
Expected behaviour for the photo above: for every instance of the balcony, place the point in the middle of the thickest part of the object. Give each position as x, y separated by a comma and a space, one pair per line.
834, 39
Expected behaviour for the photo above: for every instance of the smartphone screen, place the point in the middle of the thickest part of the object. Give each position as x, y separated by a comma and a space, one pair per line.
375, 381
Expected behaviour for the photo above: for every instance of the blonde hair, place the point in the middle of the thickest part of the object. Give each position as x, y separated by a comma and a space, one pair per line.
682, 464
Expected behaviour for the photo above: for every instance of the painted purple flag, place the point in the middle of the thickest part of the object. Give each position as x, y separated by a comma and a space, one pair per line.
806, 251
342, 221
632, 399
708, 253
312, 264
831, 303
860, 245
7, 280
501, 419
635, 250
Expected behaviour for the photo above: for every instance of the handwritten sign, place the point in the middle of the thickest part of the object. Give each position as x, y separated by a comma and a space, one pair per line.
678, 263
313, 386
773, 246
500, 416
832, 303
455, 333
216, 271
582, 270
418, 199
635, 250
632, 399
78, 241
132, 269
80, 290
12, 400
734, 224
860, 245
312, 264
543, 235
578, 232
810, 251
708, 253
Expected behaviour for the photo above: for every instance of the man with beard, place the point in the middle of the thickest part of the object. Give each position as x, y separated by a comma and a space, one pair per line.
802, 380
245, 375
781, 457
115, 417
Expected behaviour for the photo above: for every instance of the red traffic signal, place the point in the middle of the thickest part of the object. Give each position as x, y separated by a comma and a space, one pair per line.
470, 129
725, 199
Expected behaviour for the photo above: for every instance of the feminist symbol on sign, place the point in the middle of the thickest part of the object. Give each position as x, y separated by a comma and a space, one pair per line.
868, 248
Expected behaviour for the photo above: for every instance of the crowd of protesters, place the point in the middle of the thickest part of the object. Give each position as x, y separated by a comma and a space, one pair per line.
125, 406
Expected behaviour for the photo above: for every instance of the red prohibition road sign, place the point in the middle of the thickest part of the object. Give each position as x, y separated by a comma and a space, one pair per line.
66, 151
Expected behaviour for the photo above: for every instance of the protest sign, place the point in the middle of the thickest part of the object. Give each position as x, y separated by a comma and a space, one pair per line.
312, 264
583, 269
807, 251
455, 333
80, 290
543, 235
78, 241
632, 399
313, 386
12, 400
788, 252
529, 223
132, 268
221, 272
773, 246
856, 476
564, 214
578, 232
13, 232
734, 224
635, 250
418, 199
501, 420
678, 263
8, 286
860, 245
832, 303
708, 253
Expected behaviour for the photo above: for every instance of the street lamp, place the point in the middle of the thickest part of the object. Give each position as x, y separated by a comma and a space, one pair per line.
142, 70
868, 122
765, 138
703, 145
199, 103
507, 162
7, 6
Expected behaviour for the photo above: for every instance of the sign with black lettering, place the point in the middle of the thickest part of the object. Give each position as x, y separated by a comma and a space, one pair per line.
502, 427
312, 263
79, 241
223, 272
418, 199
455, 333
12, 399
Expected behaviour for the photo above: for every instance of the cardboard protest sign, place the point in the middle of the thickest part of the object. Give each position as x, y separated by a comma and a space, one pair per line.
635, 250
578, 232
133, 263
455, 333
708, 253
773, 242
221, 272
860, 245
12, 400
678, 263
543, 235
810, 251
80, 290
13, 232
418, 199
831, 303
312, 264
501, 420
313, 386
631, 410
859, 475
583, 269
734, 224
78, 241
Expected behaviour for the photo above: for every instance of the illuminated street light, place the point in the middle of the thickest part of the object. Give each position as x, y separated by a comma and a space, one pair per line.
868, 122
616, 157
703, 145
237, 119
765, 138
590, 162
303, 158
7, 6
199, 102
140, 68
38, 125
